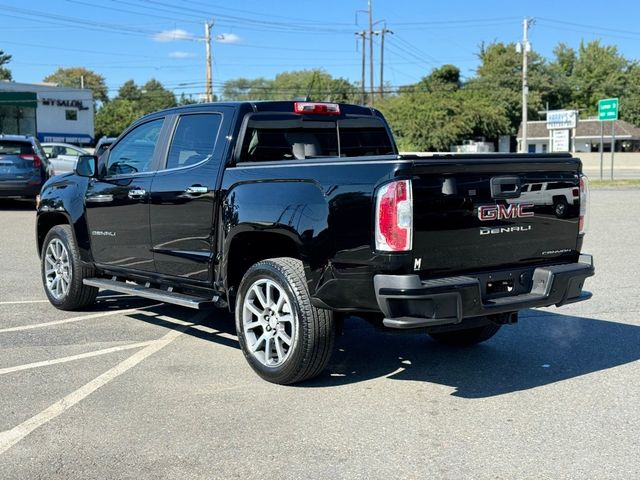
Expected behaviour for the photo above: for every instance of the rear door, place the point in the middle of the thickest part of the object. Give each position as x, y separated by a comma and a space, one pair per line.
117, 204
469, 215
184, 194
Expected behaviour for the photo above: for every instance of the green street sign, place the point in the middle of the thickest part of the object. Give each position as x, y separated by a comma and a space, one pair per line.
608, 109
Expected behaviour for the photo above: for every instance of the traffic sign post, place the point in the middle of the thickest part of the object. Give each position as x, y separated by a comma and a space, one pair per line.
608, 109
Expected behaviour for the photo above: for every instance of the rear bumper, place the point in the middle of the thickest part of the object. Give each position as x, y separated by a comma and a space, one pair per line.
409, 302
20, 189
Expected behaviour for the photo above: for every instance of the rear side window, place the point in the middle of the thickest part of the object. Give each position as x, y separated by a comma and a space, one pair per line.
272, 137
8, 147
194, 139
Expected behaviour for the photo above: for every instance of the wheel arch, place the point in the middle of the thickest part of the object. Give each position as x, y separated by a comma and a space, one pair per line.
249, 246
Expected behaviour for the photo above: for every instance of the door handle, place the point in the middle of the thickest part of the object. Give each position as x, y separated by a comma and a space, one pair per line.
136, 193
197, 190
100, 199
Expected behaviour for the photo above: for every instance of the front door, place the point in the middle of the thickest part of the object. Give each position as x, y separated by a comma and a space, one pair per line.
117, 203
183, 196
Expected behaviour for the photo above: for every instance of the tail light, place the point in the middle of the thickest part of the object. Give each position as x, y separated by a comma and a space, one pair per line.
576, 192
584, 200
394, 217
37, 161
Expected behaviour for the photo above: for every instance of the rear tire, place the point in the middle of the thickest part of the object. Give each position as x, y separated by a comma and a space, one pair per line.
284, 338
466, 337
63, 271
561, 207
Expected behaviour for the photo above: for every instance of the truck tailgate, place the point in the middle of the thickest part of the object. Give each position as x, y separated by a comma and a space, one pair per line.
479, 213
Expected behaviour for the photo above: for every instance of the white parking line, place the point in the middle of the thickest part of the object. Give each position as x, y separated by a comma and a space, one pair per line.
75, 319
18, 302
71, 358
100, 297
9, 438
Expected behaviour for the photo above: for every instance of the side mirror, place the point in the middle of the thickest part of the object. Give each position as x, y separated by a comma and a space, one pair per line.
87, 166
48, 155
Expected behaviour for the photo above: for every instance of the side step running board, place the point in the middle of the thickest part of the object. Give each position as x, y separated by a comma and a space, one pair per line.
152, 293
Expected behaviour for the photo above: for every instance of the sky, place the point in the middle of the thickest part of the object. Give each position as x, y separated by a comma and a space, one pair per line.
162, 39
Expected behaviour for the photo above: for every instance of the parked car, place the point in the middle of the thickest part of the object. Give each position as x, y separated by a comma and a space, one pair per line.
24, 167
63, 156
295, 215
103, 144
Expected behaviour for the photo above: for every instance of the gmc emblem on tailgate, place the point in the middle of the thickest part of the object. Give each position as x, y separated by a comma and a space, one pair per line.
503, 212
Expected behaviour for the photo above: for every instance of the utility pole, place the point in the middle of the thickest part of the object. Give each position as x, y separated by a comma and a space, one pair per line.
207, 38
371, 86
363, 95
525, 47
384, 31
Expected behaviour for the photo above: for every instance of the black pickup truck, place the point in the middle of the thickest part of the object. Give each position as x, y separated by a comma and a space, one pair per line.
296, 215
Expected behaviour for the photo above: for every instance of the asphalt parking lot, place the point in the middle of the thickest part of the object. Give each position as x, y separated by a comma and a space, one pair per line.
136, 389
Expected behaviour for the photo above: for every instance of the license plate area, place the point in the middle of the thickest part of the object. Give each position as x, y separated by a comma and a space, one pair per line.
505, 283
499, 287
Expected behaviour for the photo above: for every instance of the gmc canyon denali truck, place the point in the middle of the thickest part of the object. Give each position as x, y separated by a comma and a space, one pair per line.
296, 215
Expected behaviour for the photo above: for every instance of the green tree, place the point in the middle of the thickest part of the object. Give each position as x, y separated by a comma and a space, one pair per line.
184, 100
499, 78
317, 84
247, 89
434, 121
630, 99
113, 117
72, 77
5, 73
600, 71
155, 97
561, 72
444, 78
129, 91
148, 98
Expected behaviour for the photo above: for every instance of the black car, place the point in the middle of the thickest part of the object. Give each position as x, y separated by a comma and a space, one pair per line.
23, 166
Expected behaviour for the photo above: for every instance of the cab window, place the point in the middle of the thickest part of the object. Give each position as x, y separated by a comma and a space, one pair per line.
134, 153
194, 139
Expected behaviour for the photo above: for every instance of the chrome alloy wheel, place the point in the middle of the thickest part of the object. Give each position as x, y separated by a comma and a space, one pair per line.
268, 323
57, 269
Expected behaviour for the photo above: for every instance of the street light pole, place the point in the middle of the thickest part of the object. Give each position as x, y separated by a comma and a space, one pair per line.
371, 86
526, 47
208, 85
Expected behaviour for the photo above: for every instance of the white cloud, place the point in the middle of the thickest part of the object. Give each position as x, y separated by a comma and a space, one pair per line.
172, 35
181, 54
227, 38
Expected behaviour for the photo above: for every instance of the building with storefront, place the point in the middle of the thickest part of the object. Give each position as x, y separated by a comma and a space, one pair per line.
49, 112
585, 137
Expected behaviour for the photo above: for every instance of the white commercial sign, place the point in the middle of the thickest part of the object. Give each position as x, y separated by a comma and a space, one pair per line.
560, 141
562, 119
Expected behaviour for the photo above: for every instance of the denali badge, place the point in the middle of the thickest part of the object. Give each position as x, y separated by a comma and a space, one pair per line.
502, 212
102, 233
495, 231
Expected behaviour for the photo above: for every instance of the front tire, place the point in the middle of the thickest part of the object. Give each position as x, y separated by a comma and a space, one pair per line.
284, 338
466, 337
63, 271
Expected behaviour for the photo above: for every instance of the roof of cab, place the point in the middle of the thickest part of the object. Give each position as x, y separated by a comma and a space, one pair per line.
264, 106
